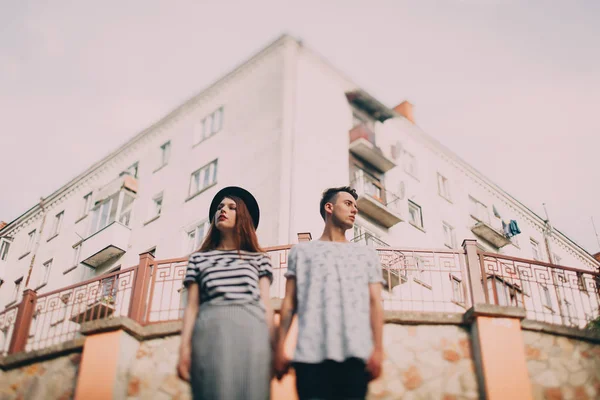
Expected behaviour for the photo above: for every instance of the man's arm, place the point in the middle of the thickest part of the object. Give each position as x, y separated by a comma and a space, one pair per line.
376, 307
288, 309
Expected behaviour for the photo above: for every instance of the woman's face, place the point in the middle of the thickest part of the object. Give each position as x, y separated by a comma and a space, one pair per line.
225, 215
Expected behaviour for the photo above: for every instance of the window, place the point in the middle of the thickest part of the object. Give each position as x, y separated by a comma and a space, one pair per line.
410, 164
196, 235
157, 202
30, 241
87, 205
203, 178
478, 210
503, 293
17, 290
546, 298
415, 214
116, 207
449, 235
581, 282
165, 153
57, 224
210, 125
4, 246
76, 255
443, 187
45, 273
457, 290
535, 250
422, 276
132, 170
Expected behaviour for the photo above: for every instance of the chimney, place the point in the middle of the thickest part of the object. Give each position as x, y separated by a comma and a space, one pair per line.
597, 256
2, 224
304, 237
406, 110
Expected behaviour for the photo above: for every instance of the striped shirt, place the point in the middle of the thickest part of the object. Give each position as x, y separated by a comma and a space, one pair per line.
227, 277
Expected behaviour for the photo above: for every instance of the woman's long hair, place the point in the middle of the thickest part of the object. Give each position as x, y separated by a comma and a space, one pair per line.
244, 232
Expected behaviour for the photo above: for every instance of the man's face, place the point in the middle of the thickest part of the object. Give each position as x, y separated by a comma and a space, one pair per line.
344, 210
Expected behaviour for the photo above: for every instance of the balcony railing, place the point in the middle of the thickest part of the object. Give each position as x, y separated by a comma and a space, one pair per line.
362, 144
375, 201
415, 279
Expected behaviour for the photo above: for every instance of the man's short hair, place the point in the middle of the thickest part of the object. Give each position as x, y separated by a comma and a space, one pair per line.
330, 195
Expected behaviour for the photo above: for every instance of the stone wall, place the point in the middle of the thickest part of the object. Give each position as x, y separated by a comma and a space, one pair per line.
50, 379
153, 374
426, 362
423, 361
427, 357
561, 367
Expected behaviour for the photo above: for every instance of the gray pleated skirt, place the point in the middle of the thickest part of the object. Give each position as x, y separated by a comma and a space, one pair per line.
231, 355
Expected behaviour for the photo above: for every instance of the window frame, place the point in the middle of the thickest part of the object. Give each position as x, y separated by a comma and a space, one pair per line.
193, 244
209, 170
444, 187
420, 211
57, 224
165, 154
479, 207
4, 248
208, 126
452, 232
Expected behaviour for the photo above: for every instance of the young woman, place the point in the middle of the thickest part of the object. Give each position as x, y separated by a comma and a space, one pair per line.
227, 333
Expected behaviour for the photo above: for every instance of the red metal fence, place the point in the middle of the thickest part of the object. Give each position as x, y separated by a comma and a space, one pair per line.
415, 280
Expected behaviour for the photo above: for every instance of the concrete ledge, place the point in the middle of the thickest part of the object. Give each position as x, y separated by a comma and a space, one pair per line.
422, 318
153, 330
27, 357
582, 334
490, 310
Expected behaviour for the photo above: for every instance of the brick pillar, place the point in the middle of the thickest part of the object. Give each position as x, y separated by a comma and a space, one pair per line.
474, 274
304, 237
141, 286
108, 354
25, 311
499, 352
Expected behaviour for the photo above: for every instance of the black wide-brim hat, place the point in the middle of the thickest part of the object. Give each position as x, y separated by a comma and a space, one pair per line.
246, 196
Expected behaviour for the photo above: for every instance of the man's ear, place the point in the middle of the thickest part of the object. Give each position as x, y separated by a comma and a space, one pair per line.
329, 208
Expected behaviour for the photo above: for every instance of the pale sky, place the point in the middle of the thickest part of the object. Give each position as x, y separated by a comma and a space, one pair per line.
513, 87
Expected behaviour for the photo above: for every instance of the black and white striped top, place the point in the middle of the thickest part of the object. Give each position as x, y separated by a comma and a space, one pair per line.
228, 276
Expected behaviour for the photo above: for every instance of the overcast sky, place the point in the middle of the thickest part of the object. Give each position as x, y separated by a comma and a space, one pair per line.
513, 87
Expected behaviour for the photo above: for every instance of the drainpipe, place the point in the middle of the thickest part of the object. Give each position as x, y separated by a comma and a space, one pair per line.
547, 233
37, 242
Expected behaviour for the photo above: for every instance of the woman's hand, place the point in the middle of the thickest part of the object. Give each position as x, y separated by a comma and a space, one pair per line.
185, 362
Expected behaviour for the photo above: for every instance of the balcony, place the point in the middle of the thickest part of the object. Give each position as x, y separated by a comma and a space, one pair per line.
490, 234
106, 244
376, 202
362, 144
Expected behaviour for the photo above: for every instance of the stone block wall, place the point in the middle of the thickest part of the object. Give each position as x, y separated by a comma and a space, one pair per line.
561, 368
426, 362
50, 379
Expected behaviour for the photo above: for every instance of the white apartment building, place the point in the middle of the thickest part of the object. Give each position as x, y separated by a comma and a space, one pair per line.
284, 125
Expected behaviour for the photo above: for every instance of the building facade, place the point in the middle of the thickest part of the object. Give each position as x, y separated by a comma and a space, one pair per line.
284, 125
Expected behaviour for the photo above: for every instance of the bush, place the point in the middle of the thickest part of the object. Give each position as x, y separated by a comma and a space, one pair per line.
594, 325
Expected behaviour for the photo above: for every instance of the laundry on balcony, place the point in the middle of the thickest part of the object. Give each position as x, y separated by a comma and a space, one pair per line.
510, 229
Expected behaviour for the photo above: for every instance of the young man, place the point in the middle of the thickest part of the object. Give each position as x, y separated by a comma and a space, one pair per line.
335, 288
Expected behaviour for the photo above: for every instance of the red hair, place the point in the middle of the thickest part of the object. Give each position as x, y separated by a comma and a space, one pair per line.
244, 232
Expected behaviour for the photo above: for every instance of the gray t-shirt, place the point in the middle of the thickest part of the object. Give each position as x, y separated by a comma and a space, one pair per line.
332, 288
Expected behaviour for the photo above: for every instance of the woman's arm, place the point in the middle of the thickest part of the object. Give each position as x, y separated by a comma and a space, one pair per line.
189, 318
265, 295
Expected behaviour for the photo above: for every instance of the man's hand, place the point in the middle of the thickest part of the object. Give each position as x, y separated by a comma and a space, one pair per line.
281, 363
374, 364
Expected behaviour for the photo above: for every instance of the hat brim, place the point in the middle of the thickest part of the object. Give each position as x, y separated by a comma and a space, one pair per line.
235, 191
